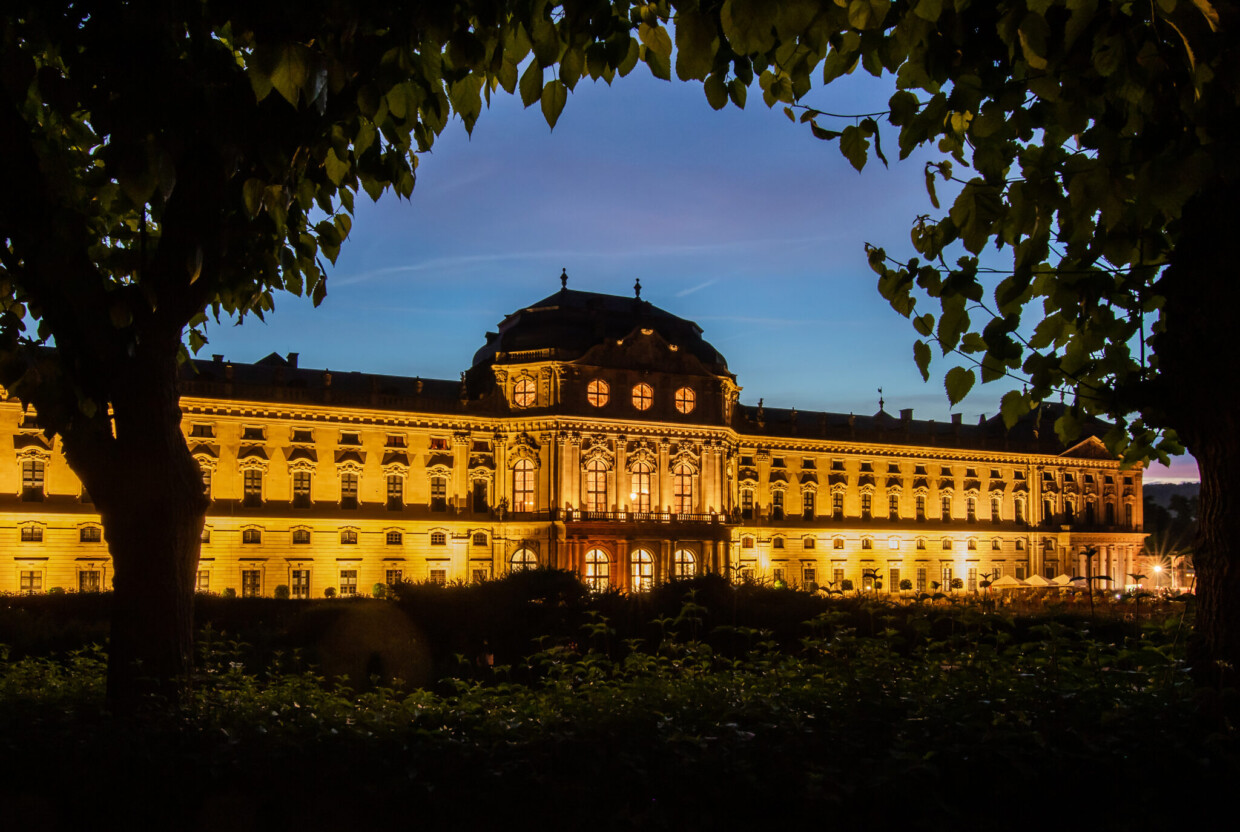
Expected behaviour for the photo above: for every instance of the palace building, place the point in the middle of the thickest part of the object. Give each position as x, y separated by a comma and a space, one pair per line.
595, 433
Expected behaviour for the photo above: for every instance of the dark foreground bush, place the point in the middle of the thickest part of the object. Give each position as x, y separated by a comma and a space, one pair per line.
949, 719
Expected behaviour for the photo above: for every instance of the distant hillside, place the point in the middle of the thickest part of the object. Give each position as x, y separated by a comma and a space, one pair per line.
1162, 492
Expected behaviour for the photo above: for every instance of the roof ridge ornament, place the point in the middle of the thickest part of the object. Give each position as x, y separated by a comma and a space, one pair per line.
637, 288
563, 280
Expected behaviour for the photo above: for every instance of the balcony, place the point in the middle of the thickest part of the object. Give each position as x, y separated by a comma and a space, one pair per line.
573, 515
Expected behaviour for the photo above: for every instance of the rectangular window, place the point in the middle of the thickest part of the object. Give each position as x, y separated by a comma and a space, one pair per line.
439, 443
395, 492
946, 508
33, 471
251, 583
348, 583
394, 538
894, 584
252, 487
777, 505
837, 505
481, 503
1020, 572
89, 580
90, 534
300, 586
747, 503
778, 574
995, 516
893, 507
301, 537
253, 434
439, 493
807, 463
394, 576
807, 505
350, 438
32, 534
301, 489
202, 431
971, 576
251, 536
348, 490
348, 537
837, 576
480, 575
809, 576
395, 440
971, 510
439, 576
682, 491
202, 581
921, 579
867, 506
303, 436
31, 581
439, 539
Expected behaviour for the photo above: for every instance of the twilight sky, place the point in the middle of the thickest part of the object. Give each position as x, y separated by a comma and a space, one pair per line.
738, 220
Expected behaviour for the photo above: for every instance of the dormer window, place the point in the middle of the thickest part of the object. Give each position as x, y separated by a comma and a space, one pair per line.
971, 473
395, 440
867, 468
303, 435
777, 462
598, 393
439, 443
685, 400
643, 396
523, 393
350, 438
252, 434
945, 471
202, 431
893, 468
837, 465
919, 471
807, 464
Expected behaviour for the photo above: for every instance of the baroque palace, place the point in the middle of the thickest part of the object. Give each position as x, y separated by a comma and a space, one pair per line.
595, 433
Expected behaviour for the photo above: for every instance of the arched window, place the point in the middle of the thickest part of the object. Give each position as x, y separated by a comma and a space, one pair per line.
596, 485
597, 392
643, 396
480, 538
947, 544
685, 400
598, 569
523, 485
684, 564
641, 571
640, 495
348, 537
682, 489
523, 393
523, 559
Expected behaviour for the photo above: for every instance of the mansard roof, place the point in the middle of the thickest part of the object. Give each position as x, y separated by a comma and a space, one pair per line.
565, 325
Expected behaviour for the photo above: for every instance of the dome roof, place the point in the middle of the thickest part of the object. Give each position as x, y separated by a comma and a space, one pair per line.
571, 323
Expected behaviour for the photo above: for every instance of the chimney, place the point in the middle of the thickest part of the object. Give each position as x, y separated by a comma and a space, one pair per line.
906, 415
217, 358
956, 418
292, 360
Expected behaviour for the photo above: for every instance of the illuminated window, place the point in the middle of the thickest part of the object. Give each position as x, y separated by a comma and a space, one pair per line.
301, 489
394, 538
682, 489
867, 543
348, 537
33, 471
523, 559
596, 485
89, 580
686, 399
893, 543
90, 534
837, 543
348, 490
641, 571
394, 576
439, 443
684, 564
947, 544
777, 543
251, 583
439, 539
439, 493
32, 534
523, 392
597, 392
523, 485
439, 577
921, 579
395, 492
598, 569
640, 495
746, 542
480, 538
643, 396
808, 543
251, 536
348, 583
202, 581
301, 537
252, 487
299, 583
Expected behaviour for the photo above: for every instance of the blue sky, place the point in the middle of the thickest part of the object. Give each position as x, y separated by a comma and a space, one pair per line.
738, 220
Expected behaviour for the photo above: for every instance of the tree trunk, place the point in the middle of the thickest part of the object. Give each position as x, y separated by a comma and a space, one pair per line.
150, 496
1199, 362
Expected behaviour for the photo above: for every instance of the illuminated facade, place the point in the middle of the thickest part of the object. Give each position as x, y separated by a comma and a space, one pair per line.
595, 433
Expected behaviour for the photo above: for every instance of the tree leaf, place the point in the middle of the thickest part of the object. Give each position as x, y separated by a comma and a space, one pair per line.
291, 72
921, 354
1012, 407
554, 97
958, 382
716, 91
531, 84
854, 144
335, 167
252, 196
696, 44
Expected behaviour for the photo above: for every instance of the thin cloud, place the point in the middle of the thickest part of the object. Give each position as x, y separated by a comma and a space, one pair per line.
685, 292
